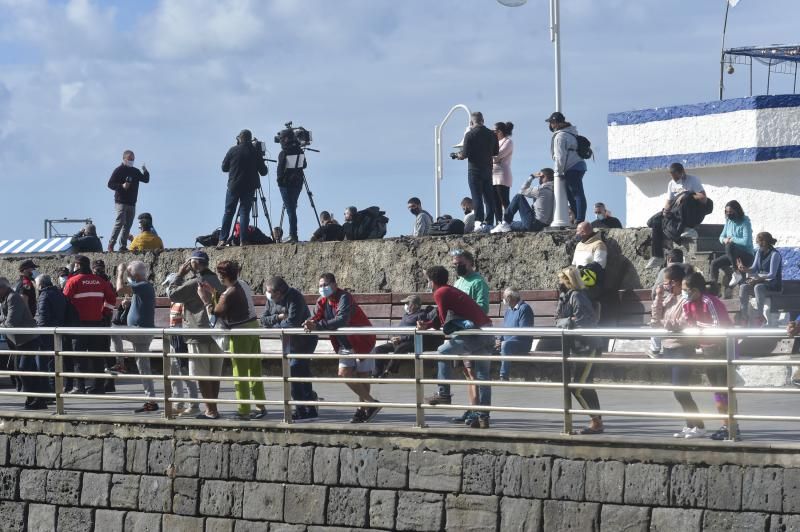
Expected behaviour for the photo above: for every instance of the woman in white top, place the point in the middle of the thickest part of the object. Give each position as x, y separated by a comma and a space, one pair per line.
501, 172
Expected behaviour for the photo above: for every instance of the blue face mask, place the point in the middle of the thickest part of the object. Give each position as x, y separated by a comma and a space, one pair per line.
685, 294
599, 216
325, 291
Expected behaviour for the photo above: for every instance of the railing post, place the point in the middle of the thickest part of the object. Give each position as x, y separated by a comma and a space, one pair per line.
730, 354
165, 369
58, 366
418, 375
285, 373
565, 379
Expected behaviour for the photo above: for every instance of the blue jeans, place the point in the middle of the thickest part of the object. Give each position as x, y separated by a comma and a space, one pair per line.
512, 347
482, 192
576, 197
290, 194
527, 216
461, 346
245, 202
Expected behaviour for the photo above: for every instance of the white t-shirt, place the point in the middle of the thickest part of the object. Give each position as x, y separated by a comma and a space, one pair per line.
689, 183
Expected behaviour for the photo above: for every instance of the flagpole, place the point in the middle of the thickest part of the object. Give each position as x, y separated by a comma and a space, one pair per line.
722, 53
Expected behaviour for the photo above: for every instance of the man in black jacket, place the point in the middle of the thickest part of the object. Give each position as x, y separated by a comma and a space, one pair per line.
480, 145
286, 308
291, 162
413, 311
87, 241
124, 182
244, 166
329, 229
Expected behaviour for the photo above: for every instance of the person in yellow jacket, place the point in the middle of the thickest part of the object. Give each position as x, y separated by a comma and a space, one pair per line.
147, 239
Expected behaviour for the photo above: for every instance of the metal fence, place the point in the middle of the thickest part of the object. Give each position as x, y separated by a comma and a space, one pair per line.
726, 337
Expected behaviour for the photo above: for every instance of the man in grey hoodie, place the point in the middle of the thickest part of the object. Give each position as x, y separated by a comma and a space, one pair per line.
569, 166
184, 290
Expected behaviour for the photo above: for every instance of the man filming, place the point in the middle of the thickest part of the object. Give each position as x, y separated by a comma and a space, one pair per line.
480, 145
244, 165
291, 161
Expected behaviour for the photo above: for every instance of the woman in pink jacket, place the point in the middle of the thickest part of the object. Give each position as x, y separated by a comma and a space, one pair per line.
501, 172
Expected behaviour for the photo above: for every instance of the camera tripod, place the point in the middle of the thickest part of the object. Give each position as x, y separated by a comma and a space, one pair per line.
259, 193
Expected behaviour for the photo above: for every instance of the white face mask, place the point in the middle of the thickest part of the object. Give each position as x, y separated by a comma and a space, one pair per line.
406, 308
269, 296
128, 162
599, 216
131, 280
62, 281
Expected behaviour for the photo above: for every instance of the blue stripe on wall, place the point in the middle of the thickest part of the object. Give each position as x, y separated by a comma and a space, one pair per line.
702, 109
697, 160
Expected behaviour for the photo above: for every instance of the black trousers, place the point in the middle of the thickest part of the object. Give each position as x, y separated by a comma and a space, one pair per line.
501, 200
728, 261
93, 364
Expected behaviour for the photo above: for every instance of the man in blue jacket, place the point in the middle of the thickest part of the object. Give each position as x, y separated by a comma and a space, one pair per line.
286, 308
518, 314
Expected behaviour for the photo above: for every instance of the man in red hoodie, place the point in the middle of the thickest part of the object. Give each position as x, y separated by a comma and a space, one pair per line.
93, 298
337, 308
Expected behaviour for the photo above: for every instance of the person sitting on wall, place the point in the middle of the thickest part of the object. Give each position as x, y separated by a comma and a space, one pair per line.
603, 218
531, 219
686, 206
591, 258
147, 239
413, 311
86, 240
737, 237
469, 215
329, 229
422, 218
764, 279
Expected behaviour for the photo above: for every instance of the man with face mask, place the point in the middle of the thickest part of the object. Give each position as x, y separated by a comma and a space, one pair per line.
469, 215
124, 181
337, 308
569, 165
413, 311
603, 218
469, 281
422, 219
183, 289
286, 308
531, 219
480, 147
25, 287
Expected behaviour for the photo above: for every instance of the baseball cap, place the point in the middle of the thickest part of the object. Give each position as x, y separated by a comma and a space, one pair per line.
544, 172
556, 117
98, 263
413, 299
27, 264
199, 255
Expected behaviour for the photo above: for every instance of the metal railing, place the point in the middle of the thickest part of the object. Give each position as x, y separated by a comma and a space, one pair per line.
726, 337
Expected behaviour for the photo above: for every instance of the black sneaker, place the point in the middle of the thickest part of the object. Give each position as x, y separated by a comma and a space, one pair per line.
462, 418
437, 399
371, 412
147, 407
723, 434
310, 413
359, 416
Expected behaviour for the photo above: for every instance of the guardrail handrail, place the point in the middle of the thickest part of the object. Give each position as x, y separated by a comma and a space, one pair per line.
726, 336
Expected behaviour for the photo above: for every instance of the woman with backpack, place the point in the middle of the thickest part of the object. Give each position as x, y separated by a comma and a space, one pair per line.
501, 169
764, 278
575, 311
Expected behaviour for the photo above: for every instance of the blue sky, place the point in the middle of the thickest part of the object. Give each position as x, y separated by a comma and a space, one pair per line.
81, 80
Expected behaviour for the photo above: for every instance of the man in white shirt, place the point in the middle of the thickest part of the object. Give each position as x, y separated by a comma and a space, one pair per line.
681, 188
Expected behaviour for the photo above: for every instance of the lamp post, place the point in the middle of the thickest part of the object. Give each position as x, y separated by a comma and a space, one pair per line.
438, 170
560, 214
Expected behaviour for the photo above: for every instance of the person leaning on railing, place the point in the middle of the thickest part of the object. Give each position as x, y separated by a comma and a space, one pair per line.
337, 308
183, 289
233, 307
575, 311
14, 312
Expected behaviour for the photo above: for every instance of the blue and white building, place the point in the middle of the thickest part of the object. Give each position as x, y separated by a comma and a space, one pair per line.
747, 149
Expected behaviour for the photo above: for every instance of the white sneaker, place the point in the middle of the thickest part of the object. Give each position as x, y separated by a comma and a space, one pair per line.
695, 433
477, 227
189, 411
690, 234
503, 227
655, 263
682, 434
736, 278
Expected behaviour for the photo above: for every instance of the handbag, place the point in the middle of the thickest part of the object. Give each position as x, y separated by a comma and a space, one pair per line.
120, 316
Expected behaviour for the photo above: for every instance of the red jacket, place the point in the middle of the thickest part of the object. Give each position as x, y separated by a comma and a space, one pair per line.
341, 310
91, 295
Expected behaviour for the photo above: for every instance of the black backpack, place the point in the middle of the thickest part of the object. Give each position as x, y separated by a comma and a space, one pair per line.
371, 223
446, 225
209, 240
584, 149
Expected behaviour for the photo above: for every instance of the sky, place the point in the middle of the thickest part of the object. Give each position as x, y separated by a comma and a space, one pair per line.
176, 80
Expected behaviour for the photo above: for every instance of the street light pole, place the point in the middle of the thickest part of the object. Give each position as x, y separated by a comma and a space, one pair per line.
438, 156
560, 212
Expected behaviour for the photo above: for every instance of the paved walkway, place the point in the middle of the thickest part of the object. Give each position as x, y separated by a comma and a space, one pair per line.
760, 432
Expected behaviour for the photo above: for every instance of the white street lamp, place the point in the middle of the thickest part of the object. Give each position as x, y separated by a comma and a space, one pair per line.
438, 171
560, 214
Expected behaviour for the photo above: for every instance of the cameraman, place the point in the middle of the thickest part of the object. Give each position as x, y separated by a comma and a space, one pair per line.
291, 162
124, 181
244, 165
480, 145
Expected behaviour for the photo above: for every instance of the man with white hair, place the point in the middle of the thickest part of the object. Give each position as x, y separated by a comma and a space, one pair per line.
518, 314
141, 313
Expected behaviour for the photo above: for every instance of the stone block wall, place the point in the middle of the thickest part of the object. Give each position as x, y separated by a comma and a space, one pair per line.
57, 476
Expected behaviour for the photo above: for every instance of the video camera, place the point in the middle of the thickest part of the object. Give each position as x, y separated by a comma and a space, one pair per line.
300, 135
261, 148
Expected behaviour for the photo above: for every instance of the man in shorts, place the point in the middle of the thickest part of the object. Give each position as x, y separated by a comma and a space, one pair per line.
337, 308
